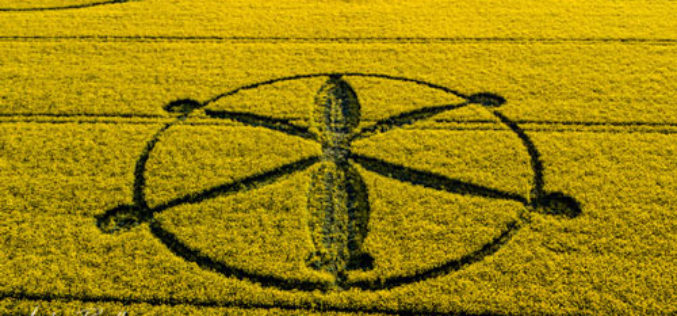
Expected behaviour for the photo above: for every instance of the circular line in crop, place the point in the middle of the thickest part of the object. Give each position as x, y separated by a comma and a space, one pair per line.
550, 203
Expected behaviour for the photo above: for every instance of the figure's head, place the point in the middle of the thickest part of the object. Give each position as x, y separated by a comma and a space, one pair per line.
336, 112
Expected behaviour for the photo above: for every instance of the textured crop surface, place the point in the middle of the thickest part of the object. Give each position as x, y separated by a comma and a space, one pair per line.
166, 157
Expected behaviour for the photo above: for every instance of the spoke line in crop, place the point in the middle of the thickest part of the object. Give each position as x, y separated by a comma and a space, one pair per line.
126, 216
432, 180
281, 125
242, 185
405, 118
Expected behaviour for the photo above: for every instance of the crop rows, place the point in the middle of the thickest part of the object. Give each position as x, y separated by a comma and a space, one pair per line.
157, 157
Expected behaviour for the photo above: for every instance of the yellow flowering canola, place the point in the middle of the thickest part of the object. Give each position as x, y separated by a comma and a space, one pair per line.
338, 157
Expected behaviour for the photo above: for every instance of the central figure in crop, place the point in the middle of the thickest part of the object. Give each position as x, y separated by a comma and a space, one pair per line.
337, 201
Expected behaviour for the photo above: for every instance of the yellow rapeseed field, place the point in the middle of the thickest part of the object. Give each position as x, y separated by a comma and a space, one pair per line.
334, 157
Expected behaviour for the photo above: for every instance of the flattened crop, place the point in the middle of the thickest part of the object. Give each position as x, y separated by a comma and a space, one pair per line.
296, 157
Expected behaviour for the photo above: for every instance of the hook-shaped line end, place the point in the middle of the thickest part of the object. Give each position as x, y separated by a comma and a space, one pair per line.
121, 218
557, 203
487, 99
182, 106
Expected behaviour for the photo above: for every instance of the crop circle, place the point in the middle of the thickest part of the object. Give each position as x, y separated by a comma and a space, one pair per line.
335, 112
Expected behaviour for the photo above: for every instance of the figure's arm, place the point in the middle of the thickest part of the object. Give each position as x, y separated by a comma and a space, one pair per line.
275, 124
405, 118
124, 217
432, 180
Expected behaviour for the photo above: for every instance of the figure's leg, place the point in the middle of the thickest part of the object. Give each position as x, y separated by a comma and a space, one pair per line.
328, 219
338, 218
358, 215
